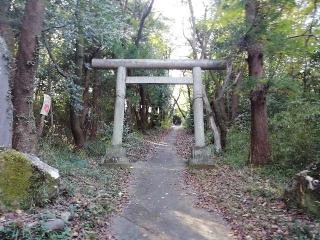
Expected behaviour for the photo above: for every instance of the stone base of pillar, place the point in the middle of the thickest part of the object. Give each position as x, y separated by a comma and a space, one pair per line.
116, 156
202, 157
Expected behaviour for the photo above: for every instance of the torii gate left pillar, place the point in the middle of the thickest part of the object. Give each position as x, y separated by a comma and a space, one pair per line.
202, 154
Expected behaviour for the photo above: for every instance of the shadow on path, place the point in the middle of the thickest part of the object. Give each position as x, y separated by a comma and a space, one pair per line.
160, 208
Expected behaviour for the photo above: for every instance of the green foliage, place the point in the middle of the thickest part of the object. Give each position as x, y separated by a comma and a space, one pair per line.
189, 121
166, 123
132, 141
238, 145
97, 189
17, 231
295, 135
302, 232
96, 148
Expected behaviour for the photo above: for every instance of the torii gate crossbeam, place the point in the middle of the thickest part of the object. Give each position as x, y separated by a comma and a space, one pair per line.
201, 153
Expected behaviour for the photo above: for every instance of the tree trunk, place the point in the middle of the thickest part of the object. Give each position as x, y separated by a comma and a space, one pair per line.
86, 102
75, 110
213, 125
260, 149
235, 97
143, 110
5, 98
220, 122
25, 134
96, 94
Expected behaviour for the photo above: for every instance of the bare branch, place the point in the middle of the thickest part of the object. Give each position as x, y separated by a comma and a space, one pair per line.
145, 14
60, 71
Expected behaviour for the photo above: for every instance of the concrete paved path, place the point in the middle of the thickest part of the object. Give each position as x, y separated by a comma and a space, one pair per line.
159, 208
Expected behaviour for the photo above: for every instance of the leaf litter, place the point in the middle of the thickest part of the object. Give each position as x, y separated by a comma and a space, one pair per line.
252, 204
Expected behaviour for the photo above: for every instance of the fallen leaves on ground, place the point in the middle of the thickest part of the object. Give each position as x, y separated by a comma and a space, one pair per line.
142, 148
251, 204
184, 143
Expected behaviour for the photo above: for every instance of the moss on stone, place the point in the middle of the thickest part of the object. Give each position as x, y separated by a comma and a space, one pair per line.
15, 174
21, 184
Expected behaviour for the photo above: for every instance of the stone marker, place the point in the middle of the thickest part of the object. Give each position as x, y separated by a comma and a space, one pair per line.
25, 180
304, 190
5, 98
54, 225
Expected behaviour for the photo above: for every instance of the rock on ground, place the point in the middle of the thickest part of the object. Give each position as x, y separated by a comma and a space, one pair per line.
25, 180
304, 190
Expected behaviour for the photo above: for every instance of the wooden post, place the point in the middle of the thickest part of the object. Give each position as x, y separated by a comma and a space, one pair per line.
198, 108
119, 107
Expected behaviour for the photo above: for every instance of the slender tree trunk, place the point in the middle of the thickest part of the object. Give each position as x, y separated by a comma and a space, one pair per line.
75, 110
213, 125
219, 107
190, 98
86, 102
143, 109
25, 134
179, 108
235, 97
221, 123
96, 94
260, 152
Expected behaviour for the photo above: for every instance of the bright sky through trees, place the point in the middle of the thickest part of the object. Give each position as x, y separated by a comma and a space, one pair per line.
178, 20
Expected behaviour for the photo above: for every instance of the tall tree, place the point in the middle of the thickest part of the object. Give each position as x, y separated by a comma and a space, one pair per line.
143, 110
260, 152
25, 134
76, 108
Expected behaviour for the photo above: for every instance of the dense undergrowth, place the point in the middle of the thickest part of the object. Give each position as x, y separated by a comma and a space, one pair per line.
294, 138
89, 192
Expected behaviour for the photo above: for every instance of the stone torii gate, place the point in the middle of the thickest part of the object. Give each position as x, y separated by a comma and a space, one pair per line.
201, 152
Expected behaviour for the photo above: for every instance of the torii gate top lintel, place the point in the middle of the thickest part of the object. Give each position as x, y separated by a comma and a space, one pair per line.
182, 64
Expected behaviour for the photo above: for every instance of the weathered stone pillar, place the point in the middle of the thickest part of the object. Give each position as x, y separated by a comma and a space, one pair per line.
5, 98
116, 153
119, 107
198, 108
202, 154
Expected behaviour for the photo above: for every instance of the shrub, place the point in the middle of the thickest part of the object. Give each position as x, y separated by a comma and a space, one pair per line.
295, 135
238, 143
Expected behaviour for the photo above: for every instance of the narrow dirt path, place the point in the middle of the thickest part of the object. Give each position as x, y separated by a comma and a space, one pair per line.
160, 208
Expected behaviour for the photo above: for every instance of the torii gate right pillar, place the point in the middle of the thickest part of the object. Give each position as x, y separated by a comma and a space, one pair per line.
202, 154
